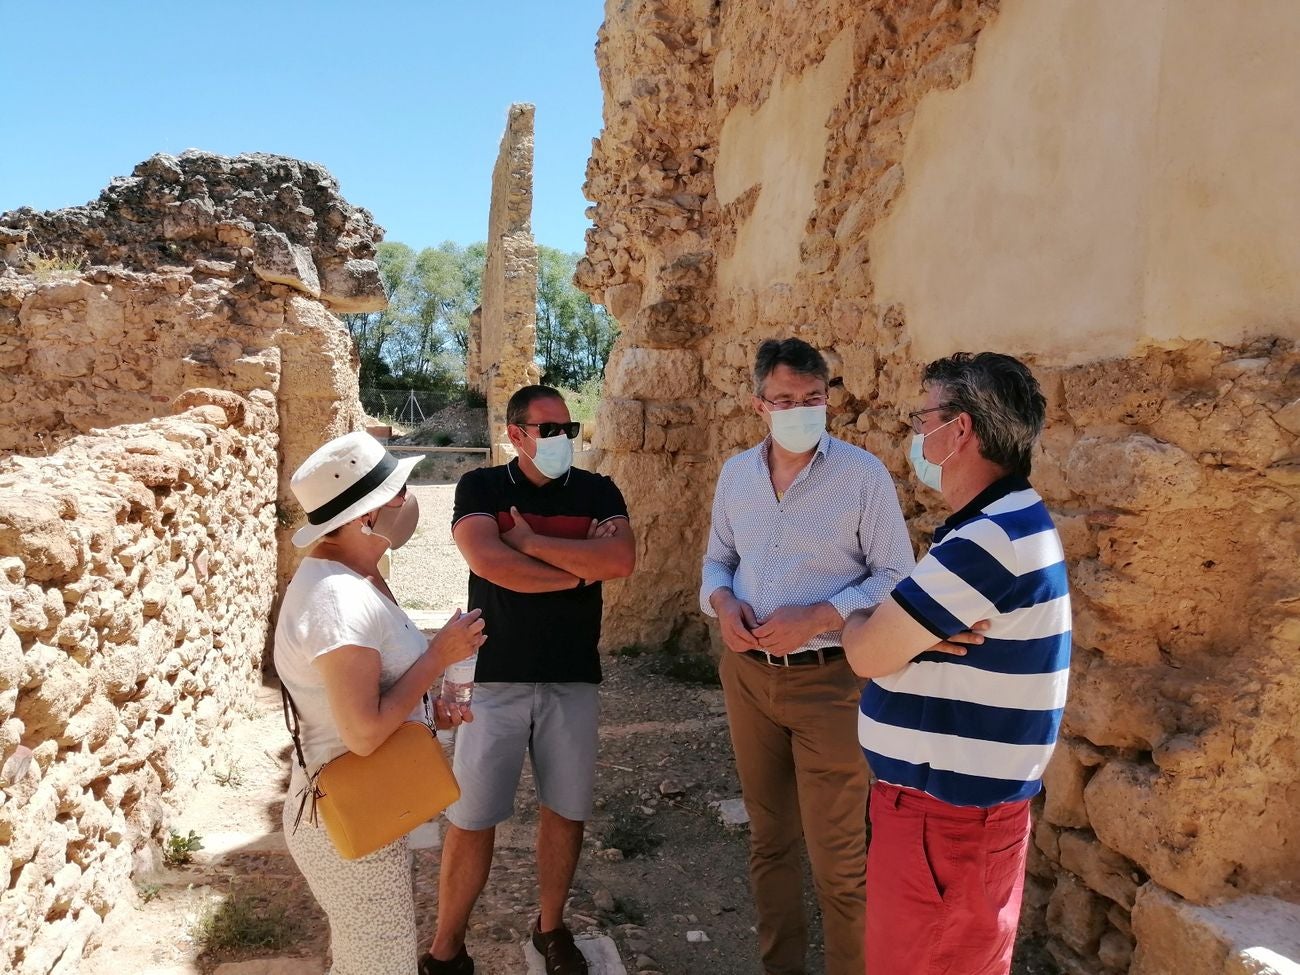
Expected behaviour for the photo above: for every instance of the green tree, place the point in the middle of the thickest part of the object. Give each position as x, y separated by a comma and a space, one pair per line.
470, 262
574, 337
420, 339
372, 331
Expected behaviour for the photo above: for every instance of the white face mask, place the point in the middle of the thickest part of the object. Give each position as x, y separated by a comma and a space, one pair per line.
798, 429
554, 455
395, 525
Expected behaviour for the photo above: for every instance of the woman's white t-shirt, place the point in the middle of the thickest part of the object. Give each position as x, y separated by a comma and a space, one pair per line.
328, 606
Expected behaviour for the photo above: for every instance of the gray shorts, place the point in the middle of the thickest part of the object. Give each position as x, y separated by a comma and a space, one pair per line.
554, 723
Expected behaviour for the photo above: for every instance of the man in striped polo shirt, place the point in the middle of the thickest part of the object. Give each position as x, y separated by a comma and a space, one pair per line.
959, 742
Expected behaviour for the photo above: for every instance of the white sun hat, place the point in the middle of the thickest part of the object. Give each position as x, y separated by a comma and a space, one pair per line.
344, 479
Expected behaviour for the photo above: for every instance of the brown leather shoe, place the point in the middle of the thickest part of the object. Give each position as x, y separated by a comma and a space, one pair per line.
557, 949
462, 964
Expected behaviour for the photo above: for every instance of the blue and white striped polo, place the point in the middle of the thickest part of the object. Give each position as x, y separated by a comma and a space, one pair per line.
977, 730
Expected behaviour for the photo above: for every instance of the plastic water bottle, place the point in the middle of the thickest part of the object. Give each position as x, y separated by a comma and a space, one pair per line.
458, 682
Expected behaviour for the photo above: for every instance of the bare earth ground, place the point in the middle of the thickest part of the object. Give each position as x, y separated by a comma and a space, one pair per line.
657, 864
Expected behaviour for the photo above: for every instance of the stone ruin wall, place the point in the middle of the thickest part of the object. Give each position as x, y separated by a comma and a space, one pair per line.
896, 180
197, 270
136, 585
503, 332
170, 356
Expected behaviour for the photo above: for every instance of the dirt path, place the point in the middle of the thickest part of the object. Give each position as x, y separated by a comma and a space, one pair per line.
655, 867
658, 863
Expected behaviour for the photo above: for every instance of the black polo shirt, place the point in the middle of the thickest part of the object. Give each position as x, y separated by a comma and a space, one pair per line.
547, 637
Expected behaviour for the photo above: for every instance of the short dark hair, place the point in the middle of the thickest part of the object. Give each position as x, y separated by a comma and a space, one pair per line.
795, 354
517, 407
1002, 398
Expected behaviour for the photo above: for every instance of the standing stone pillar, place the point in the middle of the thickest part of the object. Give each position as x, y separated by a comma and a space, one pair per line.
651, 262
507, 332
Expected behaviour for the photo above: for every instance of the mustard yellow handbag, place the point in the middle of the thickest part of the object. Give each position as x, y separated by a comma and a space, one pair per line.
368, 801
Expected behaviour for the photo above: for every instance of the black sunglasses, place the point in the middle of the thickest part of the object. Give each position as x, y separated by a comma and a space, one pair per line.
549, 429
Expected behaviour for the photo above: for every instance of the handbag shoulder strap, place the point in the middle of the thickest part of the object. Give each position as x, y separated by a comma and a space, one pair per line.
310, 790
291, 722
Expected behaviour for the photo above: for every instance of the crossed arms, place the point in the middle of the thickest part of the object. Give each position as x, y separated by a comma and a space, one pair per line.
523, 561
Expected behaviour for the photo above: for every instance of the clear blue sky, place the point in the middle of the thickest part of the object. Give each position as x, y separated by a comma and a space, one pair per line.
404, 101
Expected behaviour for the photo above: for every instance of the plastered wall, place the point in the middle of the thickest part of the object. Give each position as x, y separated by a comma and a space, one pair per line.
1105, 190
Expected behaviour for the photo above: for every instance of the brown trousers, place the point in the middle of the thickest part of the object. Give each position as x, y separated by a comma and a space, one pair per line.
794, 730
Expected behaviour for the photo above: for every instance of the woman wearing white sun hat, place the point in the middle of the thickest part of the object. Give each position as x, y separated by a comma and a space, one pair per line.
357, 668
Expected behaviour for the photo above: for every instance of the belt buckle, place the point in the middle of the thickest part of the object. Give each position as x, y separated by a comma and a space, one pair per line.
785, 658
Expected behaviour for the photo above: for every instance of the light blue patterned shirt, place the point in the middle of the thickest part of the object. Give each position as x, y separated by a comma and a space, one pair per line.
837, 535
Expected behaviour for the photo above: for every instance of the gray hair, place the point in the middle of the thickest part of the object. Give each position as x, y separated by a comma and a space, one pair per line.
1002, 398
796, 354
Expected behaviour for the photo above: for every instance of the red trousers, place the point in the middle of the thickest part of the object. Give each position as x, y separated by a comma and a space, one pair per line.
943, 884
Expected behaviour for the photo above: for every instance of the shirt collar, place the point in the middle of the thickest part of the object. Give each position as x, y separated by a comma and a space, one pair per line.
513, 465
997, 490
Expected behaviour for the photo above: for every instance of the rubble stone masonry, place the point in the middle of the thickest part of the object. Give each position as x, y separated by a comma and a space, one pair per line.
1110, 193
169, 356
135, 592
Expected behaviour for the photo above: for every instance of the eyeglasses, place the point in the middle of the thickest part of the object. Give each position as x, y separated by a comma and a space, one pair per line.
918, 424
548, 429
789, 404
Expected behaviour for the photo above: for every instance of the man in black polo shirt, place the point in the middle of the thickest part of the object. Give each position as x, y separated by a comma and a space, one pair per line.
539, 537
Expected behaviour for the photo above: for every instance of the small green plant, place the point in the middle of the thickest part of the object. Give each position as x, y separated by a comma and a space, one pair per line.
243, 920
630, 832
626, 911
632, 650
148, 892
584, 402
231, 776
427, 469
692, 668
284, 518
443, 440
179, 850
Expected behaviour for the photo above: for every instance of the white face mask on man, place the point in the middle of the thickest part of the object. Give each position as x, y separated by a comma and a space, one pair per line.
798, 429
554, 455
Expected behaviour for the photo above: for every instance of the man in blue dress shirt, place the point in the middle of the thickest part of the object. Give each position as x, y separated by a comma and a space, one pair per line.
806, 530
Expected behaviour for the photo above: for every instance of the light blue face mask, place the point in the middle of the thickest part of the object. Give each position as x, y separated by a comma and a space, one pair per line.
554, 455
929, 474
